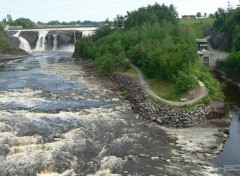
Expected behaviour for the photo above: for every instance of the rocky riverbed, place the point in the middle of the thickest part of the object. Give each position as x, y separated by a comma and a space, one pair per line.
60, 117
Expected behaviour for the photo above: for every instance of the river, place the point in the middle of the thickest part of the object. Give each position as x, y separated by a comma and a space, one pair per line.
229, 159
58, 119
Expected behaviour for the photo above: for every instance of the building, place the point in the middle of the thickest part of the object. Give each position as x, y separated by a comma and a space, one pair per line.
202, 44
192, 17
189, 17
184, 16
207, 58
204, 53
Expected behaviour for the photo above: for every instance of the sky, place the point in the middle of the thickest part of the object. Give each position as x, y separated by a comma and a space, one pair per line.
98, 10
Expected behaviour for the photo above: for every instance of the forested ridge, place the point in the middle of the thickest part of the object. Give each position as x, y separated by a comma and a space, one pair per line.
228, 22
151, 38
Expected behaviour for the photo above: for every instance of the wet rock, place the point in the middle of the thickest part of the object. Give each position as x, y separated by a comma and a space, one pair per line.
31, 37
161, 114
4, 149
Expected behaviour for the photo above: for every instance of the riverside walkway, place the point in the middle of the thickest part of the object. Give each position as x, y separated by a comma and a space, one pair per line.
203, 91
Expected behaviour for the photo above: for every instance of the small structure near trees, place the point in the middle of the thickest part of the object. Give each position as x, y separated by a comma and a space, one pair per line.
188, 16
205, 56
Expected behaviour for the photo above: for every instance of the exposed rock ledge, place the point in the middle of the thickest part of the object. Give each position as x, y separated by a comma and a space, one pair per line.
13, 53
165, 116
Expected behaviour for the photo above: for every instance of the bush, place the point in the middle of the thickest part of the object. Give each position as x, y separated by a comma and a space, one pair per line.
105, 63
184, 81
232, 64
2, 26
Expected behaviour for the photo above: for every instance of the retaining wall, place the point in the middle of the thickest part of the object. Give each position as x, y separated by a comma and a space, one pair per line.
163, 115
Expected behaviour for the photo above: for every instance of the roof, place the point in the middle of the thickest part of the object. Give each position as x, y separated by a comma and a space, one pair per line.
202, 41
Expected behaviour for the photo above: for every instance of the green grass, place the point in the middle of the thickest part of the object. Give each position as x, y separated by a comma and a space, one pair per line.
196, 27
165, 90
206, 21
161, 88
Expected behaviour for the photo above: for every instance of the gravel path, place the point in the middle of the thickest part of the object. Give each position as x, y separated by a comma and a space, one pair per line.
203, 91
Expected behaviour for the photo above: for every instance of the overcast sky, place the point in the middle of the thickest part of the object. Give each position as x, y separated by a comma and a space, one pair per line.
98, 10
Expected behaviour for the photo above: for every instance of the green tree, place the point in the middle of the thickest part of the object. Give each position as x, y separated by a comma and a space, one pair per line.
2, 26
24, 22
9, 18
199, 14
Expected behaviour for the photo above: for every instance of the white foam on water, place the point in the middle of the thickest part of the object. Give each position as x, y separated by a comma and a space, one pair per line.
66, 173
26, 97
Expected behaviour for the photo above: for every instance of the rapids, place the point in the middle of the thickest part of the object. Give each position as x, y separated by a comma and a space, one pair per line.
58, 120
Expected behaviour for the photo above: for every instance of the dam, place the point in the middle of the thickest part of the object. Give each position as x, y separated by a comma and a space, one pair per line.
51, 39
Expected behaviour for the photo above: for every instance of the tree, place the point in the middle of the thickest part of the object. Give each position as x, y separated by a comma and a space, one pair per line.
24, 22
205, 15
211, 15
55, 22
220, 13
1, 26
119, 21
199, 14
229, 6
9, 18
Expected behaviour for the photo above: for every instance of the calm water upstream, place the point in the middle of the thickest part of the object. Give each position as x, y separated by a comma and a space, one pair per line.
229, 159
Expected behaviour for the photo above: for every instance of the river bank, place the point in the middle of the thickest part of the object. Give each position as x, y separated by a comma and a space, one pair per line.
12, 53
223, 77
198, 144
59, 117
62, 117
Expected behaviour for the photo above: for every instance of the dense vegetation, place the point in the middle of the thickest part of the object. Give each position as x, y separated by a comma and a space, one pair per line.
151, 38
231, 65
228, 22
3, 39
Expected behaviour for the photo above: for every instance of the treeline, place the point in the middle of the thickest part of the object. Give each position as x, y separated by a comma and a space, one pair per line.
152, 39
228, 22
56, 22
27, 23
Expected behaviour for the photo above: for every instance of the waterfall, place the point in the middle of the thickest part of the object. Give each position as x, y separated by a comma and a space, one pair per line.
86, 33
40, 46
23, 42
74, 35
55, 42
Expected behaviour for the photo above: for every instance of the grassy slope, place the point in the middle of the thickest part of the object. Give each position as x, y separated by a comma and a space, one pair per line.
161, 88
196, 27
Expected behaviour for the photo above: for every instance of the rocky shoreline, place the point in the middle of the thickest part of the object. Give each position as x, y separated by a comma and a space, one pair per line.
13, 53
222, 75
161, 114
199, 132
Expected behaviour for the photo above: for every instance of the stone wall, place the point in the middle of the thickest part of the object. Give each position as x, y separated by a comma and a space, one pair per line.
163, 115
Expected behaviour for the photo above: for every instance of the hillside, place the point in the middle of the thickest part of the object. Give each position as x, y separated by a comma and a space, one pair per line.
153, 39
